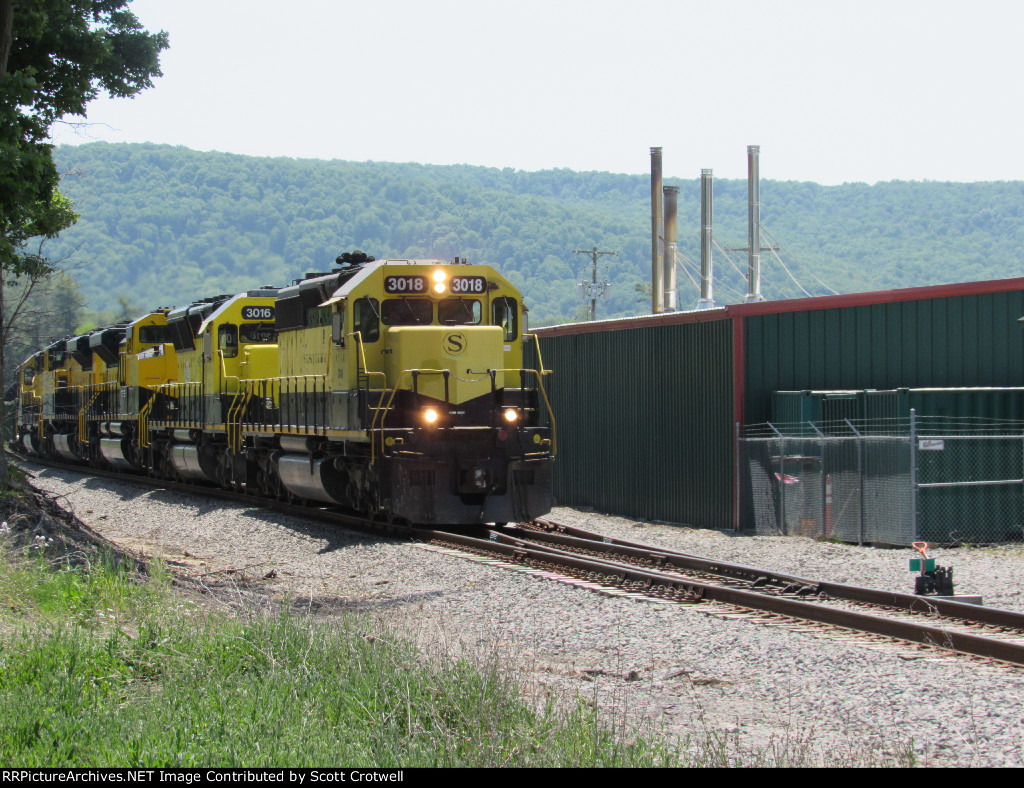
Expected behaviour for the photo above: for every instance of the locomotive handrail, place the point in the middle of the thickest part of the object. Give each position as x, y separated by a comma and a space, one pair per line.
547, 402
99, 389
61, 414
288, 384
378, 411
361, 370
361, 362
361, 354
188, 389
540, 360
233, 423
35, 401
224, 376
144, 422
86, 407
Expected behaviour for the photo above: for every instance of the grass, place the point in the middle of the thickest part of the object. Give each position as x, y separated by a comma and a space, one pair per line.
99, 667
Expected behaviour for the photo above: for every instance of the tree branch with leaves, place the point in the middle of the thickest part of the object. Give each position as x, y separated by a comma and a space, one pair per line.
55, 57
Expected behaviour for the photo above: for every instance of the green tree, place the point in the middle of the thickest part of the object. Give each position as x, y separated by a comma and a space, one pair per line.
55, 57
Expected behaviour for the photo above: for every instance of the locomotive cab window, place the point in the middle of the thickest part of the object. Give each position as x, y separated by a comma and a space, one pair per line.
504, 313
366, 319
227, 340
407, 312
153, 335
459, 311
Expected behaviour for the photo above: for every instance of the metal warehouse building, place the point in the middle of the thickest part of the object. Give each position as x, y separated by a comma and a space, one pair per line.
648, 408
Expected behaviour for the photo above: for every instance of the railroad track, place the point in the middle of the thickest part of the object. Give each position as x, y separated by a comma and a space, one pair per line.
991, 633
643, 570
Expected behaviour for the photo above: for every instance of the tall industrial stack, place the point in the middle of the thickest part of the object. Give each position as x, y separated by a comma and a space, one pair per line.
657, 221
754, 223
707, 298
671, 194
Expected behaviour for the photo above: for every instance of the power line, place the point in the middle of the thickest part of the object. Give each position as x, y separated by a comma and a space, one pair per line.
812, 274
696, 269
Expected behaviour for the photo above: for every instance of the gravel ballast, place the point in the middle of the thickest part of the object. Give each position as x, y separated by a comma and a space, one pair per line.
702, 671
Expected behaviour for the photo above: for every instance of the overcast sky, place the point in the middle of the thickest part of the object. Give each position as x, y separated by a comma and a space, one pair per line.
831, 91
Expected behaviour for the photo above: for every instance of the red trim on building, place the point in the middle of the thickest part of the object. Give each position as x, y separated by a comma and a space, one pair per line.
738, 387
790, 305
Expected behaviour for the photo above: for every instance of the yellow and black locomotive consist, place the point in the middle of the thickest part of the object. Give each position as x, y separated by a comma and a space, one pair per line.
399, 388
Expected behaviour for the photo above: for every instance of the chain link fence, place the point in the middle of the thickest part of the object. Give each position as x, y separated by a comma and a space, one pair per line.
934, 479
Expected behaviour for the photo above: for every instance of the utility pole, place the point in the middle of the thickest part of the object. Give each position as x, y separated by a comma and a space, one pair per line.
591, 288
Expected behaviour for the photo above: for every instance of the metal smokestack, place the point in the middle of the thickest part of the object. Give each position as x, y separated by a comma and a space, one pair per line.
671, 194
657, 220
754, 223
707, 299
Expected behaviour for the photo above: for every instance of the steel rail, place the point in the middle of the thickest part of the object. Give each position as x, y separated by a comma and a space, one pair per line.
981, 614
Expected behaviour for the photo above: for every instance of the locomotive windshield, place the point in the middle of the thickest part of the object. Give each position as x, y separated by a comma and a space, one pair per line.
456, 311
407, 312
258, 333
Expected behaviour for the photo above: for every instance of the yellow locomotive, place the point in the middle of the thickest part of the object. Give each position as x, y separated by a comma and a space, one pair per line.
399, 388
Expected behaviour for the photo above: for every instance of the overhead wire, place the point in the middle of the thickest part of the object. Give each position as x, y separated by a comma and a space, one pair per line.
720, 285
743, 277
679, 256
772, 240
683, 266
786, 269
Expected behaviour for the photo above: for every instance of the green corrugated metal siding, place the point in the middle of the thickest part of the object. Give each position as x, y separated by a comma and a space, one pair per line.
645, 421
969, 340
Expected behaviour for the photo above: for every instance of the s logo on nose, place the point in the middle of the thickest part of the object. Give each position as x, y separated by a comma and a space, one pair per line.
455, 344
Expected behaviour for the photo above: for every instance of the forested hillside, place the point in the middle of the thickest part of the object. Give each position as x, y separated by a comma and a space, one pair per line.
163, 225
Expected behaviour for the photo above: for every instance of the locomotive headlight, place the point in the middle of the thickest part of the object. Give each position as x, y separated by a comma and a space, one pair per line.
440, 281
430, 416
511, 416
